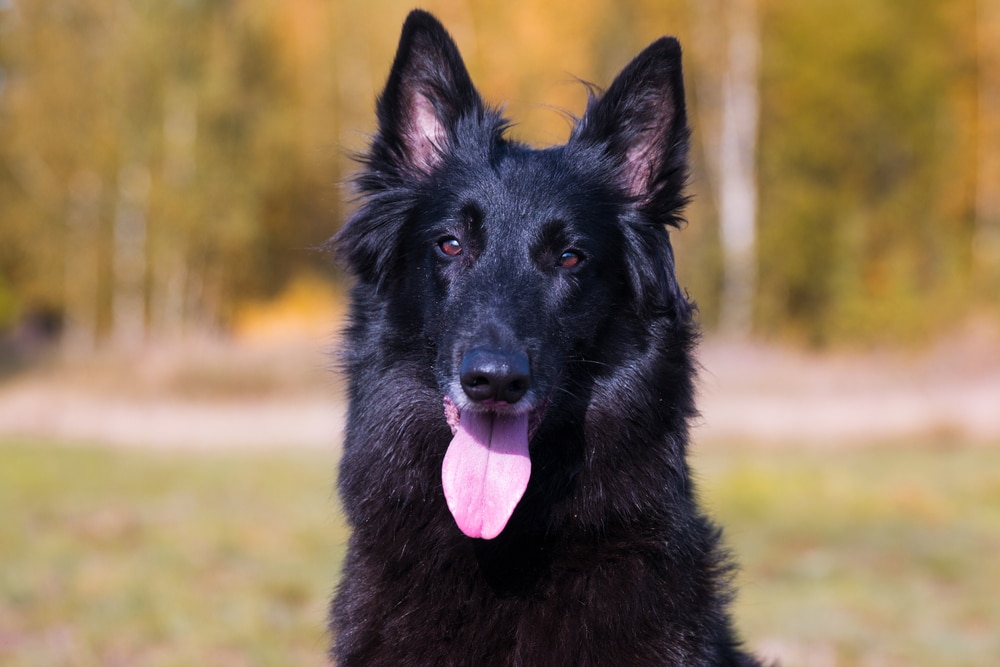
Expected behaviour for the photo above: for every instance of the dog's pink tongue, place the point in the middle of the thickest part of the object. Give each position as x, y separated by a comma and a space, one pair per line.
486, 471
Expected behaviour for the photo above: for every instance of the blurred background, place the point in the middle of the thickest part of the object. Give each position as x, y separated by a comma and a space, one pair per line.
169, 420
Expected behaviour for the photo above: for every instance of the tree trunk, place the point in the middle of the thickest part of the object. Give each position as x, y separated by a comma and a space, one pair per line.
986, 240
737, 172
176, 222
727, 110
128, 314
81, 265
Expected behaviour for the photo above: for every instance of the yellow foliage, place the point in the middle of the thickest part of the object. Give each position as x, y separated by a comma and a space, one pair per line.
310, 309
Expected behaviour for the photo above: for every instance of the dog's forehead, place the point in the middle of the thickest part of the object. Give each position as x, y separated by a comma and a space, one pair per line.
529, 183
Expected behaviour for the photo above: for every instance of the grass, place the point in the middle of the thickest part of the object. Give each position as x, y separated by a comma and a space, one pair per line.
882, 556
144, 558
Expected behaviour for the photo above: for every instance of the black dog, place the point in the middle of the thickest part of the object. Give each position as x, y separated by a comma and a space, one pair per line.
521, 382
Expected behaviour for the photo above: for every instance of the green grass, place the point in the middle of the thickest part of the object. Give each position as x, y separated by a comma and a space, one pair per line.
146, 558
881, 556
109, 557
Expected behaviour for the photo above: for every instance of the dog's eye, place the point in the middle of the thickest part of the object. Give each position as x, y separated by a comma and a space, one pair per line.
569, 259
450, 246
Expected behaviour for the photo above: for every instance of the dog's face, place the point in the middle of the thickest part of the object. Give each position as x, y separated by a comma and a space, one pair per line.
524, 266
524, 273
502, 264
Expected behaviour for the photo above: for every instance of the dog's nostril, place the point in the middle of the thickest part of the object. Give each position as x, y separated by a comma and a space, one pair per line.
518, 385
514, 391
478, 388
491, 375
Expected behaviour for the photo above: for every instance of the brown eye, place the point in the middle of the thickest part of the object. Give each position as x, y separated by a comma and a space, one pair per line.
450, 246
569, 259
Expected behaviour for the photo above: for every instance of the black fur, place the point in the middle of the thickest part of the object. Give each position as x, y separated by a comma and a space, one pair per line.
606, 560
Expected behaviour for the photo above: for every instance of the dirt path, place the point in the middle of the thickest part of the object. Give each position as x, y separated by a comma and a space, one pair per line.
207, 395
770, 395
218, 397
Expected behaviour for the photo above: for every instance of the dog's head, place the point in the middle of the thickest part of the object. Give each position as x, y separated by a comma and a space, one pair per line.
504, 267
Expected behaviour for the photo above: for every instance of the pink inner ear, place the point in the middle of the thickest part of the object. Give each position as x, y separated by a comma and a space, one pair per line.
643, 157
425, 137
639, 168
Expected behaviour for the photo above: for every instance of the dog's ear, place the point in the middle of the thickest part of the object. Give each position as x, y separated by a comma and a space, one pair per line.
428, 91
426, 97
638, 131
640, 126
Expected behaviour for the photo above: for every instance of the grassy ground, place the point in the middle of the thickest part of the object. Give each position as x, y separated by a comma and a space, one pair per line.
142, 558
109, 557
880, 556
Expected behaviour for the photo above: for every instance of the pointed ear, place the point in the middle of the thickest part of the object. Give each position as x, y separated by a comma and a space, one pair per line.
428, 91
640, 125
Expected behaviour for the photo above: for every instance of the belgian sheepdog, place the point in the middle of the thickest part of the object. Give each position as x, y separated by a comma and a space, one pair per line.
519, 357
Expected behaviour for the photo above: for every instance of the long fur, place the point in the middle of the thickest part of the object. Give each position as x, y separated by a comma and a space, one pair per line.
607, 559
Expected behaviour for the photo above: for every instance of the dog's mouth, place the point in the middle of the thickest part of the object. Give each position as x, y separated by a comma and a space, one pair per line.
487, 466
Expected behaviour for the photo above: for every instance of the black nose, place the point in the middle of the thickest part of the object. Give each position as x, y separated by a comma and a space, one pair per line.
489, 375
